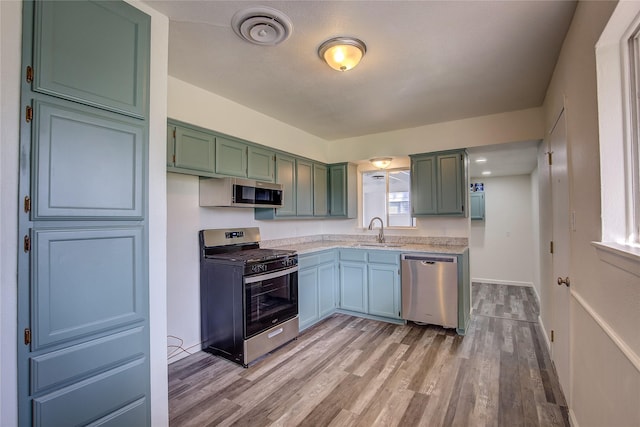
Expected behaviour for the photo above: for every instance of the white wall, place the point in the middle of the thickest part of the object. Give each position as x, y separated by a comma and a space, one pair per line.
604, 307
523, 125
501, 248
10, 63
157, 213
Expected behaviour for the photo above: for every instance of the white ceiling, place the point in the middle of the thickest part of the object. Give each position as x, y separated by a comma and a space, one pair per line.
426, 61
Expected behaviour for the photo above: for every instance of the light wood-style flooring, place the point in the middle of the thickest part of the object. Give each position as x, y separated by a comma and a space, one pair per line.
349, 371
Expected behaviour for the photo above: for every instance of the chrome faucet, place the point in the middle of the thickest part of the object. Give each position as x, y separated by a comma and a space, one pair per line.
381, 233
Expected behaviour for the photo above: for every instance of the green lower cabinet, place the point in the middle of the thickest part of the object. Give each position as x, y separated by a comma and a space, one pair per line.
326, 289
308, 297
316, 287
384, 290
353, 286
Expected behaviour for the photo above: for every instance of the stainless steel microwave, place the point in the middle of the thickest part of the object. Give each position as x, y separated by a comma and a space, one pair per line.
240, 192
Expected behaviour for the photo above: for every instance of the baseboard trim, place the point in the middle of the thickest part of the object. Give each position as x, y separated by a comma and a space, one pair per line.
573, 422
544, 334
609, 331
503, 282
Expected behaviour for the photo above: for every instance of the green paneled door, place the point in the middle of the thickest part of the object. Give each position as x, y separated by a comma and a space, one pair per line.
384, 290
327, 288
320, 190
353, 286
92, 52
83, 293
231, 157
194, 150
423, 186
286, 175
450, 184
304, 188
260, 163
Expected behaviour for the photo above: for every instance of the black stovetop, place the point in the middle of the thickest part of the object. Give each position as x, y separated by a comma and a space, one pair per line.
249, 256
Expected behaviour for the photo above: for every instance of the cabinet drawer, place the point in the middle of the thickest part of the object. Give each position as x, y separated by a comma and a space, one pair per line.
353, 255
307, 261
383, 257
328, 256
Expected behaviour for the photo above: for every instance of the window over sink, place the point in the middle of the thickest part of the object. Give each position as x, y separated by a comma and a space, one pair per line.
386, 194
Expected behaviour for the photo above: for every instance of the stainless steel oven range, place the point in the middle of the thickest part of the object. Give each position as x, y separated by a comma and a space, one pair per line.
248, 295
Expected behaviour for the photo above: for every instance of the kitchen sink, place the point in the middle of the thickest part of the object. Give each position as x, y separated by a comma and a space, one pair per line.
377, 245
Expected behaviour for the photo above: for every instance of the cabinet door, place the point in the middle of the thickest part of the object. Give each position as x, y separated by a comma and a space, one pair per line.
260, 164
96, 53
450, 184
423, 186
286, 175
231, 157
171, 144
194, 150
353, 286
319, 190
308, 297
304, 188
88, 163
384, 290
326, 288
477, 206
337, 190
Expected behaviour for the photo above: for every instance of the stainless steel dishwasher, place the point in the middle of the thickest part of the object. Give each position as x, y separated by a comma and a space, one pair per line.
430, 289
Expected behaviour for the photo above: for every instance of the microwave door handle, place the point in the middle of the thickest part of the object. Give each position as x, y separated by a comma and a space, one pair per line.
261, 277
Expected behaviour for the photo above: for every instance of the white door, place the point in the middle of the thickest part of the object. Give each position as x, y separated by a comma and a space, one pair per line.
560, 296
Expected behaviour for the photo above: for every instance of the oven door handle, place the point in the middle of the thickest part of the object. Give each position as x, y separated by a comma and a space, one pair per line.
261, 277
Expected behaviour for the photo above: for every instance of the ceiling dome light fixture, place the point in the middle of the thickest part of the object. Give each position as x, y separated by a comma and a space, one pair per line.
342, 53
381, 162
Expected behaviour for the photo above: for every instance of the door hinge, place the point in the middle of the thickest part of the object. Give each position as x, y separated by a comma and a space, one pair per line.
27, 243
27, 204
174, 158
174, 132
27, 336
553, 336
28, 115
550, 157
29, 76
551, 247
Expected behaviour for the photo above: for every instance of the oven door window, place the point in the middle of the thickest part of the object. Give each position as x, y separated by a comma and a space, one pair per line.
269, 302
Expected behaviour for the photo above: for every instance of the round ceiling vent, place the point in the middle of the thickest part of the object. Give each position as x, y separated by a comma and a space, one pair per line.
262, 25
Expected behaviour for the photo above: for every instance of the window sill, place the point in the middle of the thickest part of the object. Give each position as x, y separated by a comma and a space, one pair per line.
625, 257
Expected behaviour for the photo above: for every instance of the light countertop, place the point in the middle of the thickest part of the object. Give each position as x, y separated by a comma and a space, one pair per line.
303, 248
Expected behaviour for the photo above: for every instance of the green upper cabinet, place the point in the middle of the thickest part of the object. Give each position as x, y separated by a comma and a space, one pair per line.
477, 205
451, 183
320, 207
260, 163
190, 150
439, 183
423, 186
236, 158
286, 175
231, 157
95, 53
304, 188
343, 190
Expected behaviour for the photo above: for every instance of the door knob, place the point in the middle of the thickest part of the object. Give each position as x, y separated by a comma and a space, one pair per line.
564, 281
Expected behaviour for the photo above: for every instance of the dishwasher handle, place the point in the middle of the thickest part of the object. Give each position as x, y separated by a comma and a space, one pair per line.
428, 259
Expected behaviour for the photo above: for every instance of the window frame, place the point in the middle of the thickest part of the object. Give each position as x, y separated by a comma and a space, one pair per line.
618, 85
386, 217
